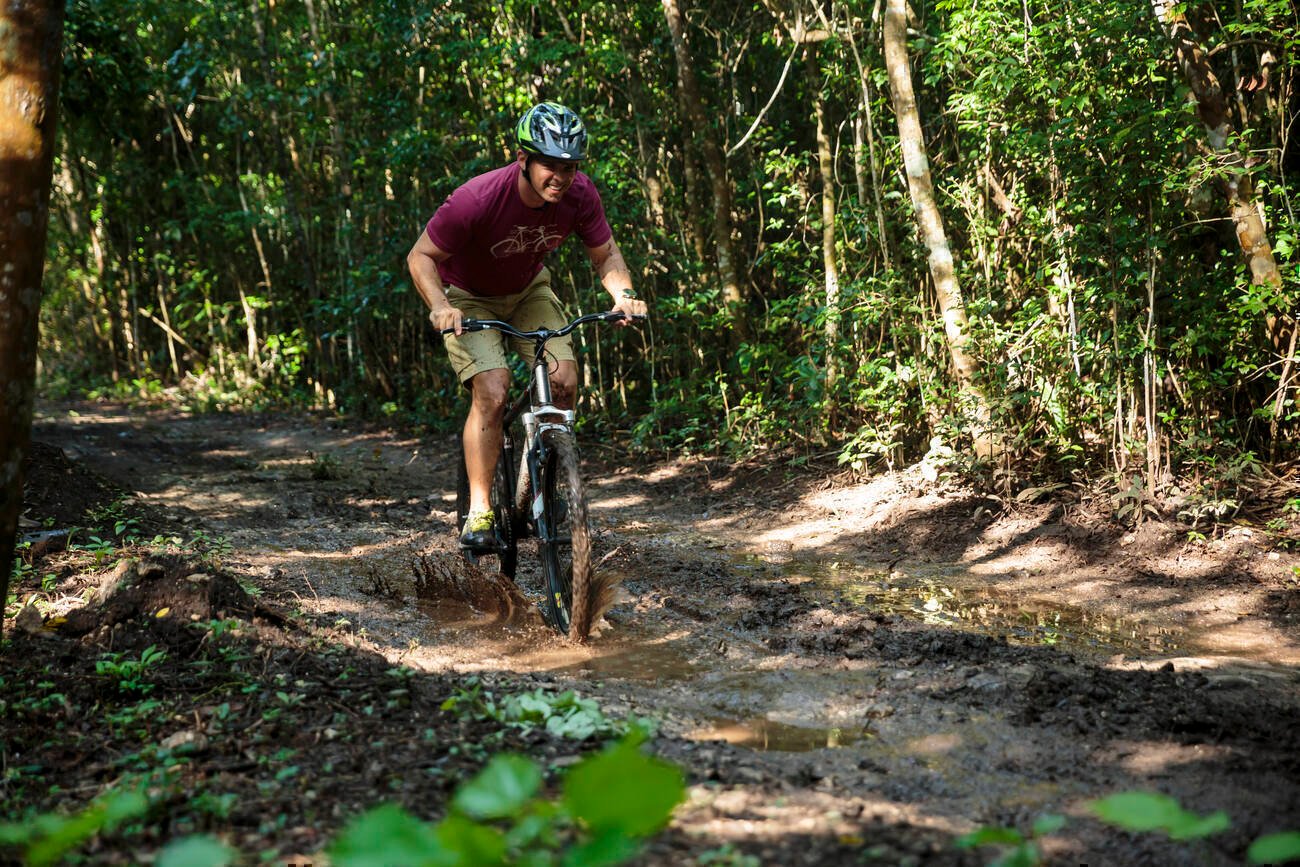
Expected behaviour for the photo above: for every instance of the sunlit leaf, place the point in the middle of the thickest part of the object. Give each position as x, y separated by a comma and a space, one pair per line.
621, 789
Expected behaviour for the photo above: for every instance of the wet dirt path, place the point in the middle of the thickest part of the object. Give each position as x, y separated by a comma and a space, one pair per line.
823, 661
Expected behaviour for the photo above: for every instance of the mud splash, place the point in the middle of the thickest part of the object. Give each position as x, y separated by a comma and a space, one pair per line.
530, 644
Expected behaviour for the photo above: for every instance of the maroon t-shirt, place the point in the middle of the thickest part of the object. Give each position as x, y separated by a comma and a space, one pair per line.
497, 243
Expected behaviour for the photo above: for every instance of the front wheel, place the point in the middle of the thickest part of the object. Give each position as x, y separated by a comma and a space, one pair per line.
506, 554
563, 537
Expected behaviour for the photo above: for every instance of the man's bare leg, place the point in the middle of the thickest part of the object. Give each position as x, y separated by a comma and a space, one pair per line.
564, 383
482, 434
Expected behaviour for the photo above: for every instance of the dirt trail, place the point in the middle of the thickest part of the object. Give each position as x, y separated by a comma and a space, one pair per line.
828, 661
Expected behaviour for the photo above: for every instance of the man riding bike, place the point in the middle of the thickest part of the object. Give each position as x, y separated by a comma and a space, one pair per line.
481, 257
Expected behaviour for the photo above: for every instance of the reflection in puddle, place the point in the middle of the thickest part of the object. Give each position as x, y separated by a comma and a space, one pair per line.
765, 735
984, 610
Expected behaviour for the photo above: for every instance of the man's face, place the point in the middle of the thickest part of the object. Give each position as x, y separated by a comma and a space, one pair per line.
550, 178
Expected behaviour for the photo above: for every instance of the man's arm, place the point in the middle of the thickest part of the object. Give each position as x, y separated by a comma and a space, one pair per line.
616, 278
422, 262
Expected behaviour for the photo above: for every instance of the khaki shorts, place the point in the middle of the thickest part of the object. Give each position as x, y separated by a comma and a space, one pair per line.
535, 307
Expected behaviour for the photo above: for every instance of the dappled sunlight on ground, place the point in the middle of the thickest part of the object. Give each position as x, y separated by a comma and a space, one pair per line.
1148, 758
828, 658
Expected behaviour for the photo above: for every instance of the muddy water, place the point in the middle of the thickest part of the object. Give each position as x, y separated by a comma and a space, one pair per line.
531, 645
752, 703
725, 687
955, 598
965, 601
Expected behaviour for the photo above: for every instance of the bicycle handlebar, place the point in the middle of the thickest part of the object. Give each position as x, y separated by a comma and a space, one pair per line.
469, 325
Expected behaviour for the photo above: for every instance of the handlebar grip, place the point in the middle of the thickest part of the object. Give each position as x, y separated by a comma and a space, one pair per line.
466, 326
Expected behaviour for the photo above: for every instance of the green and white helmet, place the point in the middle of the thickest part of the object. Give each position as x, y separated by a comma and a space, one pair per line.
551, 130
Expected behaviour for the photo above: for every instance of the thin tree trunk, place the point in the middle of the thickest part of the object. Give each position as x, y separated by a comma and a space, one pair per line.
691, 199
715, 165
1150, 382
930, 221
168, 331
870, 136
31, 34
860, 160
826, 169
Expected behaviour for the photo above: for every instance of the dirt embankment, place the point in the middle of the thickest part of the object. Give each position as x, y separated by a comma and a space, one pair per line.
850, 673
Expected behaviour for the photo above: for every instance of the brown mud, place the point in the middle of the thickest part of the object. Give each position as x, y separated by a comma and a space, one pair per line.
850, 672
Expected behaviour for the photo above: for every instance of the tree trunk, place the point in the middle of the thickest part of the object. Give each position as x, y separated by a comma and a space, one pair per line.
1234, 179
870, 135
930, 221
1235, 185
31, 34
829, 265
714, 162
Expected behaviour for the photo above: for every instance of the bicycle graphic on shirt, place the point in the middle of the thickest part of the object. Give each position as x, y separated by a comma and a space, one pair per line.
528, 239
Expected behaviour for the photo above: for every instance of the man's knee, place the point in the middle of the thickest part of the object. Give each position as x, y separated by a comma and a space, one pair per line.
490, 390
564, 383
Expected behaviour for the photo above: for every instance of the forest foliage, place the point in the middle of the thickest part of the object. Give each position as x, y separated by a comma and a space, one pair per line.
238, 183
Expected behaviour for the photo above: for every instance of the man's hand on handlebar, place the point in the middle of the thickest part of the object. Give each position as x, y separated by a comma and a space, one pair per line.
447, 318
629, 306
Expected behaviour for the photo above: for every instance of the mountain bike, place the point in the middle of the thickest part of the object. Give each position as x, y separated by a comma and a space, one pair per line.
543, 494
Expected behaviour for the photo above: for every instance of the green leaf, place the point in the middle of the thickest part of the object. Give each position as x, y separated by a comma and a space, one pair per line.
1024, 855
1196, 827
61, 835
577, 726
1137, 811
1149, 811
620, 789
1048, 824
611, 847
387, 835
989, 836
527, 830
1275, 848
468, 843
199, 851
501, 789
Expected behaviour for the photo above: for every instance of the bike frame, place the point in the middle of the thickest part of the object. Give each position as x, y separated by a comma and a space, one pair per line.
544, 494
536, 409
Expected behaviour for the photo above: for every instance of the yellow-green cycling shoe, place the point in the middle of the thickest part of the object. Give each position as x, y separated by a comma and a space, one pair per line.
479, 533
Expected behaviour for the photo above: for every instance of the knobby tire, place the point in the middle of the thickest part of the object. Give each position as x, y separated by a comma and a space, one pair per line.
564, 538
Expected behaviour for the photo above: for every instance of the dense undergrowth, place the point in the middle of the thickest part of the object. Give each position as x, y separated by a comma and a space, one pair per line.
231, 217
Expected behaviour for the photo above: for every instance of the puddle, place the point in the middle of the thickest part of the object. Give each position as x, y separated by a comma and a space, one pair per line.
532, 646
952, 602
980, 609
764, 735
